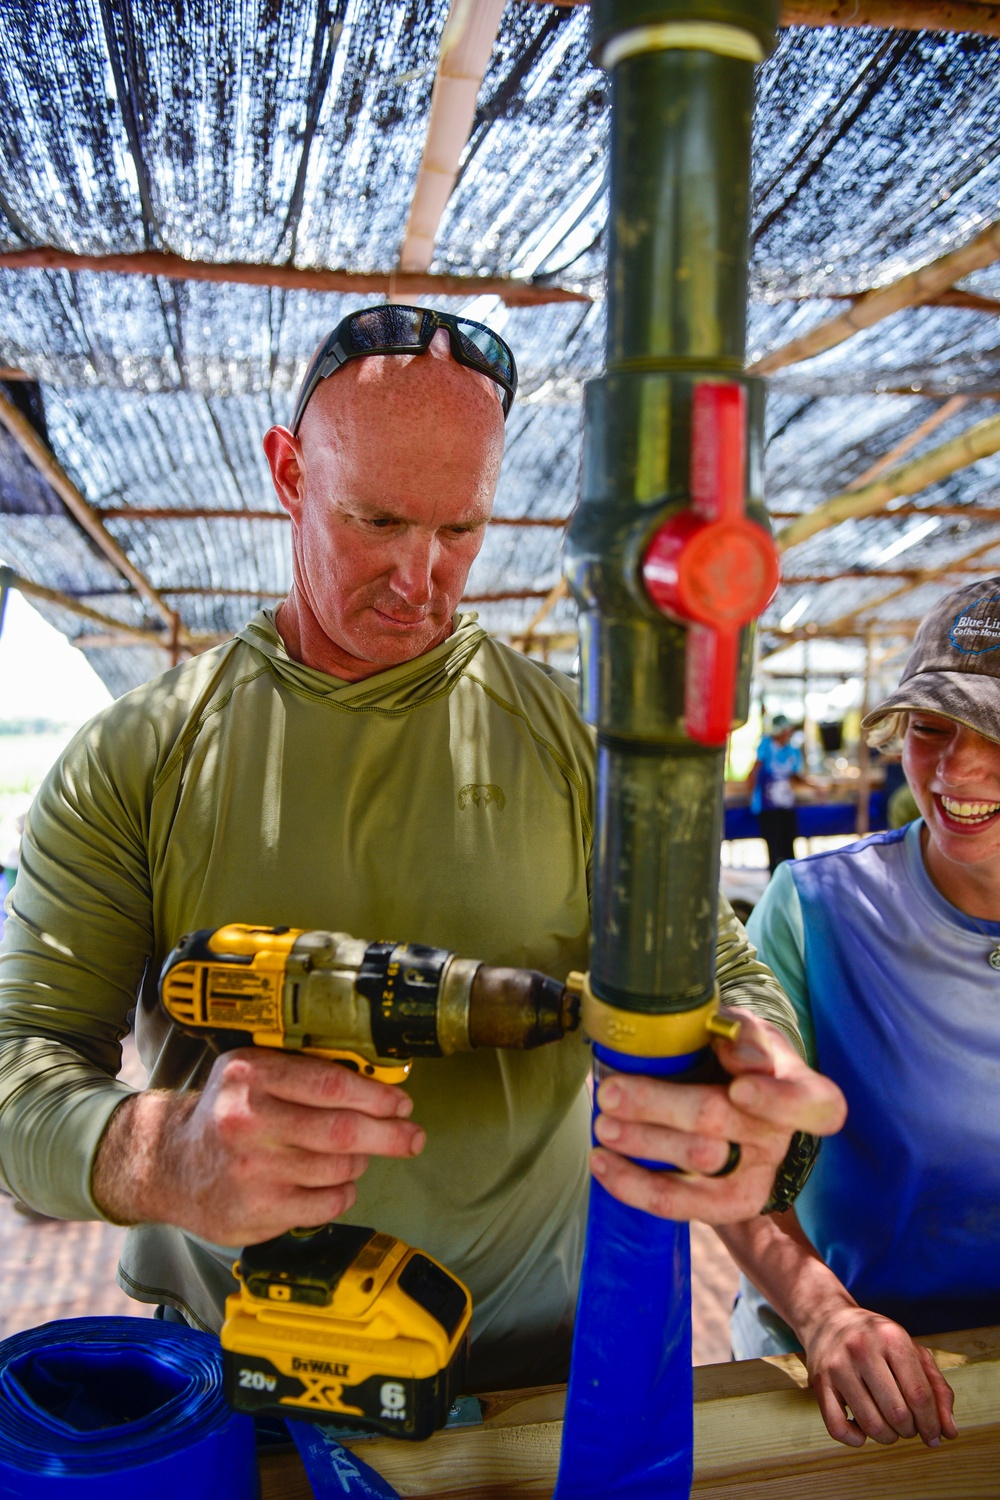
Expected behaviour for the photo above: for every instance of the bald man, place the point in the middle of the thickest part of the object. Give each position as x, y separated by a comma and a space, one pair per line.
367, 760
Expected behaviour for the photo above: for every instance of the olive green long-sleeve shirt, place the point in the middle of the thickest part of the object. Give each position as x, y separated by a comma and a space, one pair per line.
446, 801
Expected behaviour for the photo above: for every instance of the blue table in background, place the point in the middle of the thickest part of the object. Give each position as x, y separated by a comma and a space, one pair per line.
816, 819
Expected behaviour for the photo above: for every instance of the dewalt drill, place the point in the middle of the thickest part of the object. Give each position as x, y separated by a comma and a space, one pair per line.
340, 1323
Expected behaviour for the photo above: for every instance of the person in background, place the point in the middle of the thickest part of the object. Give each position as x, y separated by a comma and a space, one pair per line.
890, 951
774, 777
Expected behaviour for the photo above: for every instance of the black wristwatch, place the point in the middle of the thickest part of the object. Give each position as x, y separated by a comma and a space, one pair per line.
792, 1175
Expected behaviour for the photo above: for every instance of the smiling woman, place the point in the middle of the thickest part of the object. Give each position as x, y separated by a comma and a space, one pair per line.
886, 950
954, 774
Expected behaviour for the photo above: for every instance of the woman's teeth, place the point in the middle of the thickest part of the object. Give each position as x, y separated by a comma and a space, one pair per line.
969, 812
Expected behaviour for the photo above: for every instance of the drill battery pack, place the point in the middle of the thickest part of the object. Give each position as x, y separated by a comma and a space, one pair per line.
344, 1325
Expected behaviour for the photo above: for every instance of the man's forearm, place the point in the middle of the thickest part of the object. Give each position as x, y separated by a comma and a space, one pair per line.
745, 981
132, 1178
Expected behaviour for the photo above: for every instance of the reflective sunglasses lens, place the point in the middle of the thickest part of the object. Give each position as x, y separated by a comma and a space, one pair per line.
485, 349
387, 327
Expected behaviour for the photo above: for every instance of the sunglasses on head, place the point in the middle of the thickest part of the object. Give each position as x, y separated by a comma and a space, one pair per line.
392, 329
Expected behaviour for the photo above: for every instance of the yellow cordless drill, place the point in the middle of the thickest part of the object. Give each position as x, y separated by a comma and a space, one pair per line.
340, 1323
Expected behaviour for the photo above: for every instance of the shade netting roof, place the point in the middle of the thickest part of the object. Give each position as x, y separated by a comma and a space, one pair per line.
289, 132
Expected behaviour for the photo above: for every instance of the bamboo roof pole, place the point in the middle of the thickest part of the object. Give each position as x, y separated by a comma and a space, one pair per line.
523, 638
926, 575
466, 45
82, 512
970, 301
872, 307
976, 442
929, 425
513, 292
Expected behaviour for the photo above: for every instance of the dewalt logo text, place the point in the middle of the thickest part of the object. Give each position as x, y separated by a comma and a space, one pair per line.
318, 1366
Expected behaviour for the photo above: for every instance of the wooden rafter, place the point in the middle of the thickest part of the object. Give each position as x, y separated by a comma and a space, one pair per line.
82, 512
134, 634
509, 289
115, 639
898, 15
200, 513
802, 580
965, 512
894, 15
909, 291
968, 301
188, 590
976, 442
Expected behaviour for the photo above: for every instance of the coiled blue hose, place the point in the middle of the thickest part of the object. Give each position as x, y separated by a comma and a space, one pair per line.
102, 1408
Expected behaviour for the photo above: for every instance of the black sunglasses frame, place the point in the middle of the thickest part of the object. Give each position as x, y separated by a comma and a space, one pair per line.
339, 347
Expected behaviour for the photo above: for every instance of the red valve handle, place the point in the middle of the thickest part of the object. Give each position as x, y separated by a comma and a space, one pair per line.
711, 567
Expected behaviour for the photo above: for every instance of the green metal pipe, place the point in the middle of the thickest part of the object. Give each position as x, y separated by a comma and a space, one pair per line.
677, 274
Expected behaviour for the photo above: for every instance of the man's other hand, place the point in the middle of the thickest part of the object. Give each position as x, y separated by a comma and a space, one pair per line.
273, 1141
772, 1094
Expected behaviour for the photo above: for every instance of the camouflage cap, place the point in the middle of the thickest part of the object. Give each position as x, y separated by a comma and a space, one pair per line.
954, 667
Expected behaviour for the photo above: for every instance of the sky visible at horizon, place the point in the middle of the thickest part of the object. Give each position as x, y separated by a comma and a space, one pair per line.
41, 675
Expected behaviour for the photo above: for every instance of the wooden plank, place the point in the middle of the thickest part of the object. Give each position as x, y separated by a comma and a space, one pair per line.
758, 1436
964, 1470
514, 1455
747, 1419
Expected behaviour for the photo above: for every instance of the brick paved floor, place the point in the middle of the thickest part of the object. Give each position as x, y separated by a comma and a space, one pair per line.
50, 1269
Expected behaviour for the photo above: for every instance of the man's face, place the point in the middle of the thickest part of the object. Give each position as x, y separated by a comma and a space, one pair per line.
398, 464
954, 774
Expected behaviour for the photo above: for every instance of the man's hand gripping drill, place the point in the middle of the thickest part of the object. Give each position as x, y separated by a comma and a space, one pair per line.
276, 1137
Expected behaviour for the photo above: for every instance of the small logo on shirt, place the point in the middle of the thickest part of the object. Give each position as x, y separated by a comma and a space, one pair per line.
480, 793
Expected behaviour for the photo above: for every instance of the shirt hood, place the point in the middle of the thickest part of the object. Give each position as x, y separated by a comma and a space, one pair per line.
397, 688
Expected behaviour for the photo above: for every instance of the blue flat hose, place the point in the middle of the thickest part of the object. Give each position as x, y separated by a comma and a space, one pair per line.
336, 1473
102, 1408
628, 1430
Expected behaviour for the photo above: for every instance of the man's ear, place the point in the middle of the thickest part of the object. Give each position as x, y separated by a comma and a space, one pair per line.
284, 457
